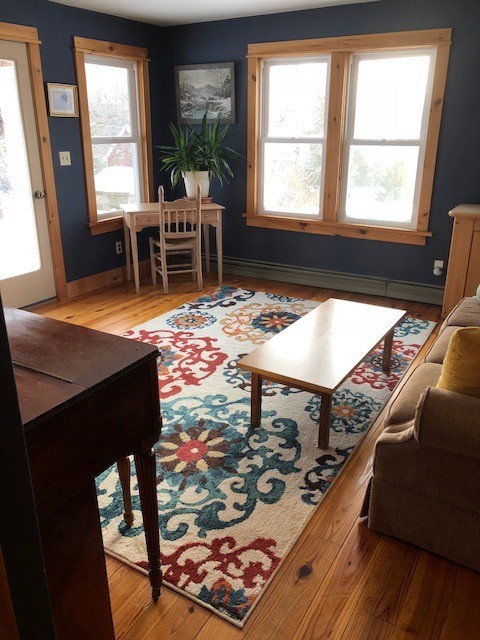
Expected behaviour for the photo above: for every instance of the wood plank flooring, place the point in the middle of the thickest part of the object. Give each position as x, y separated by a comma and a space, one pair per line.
340, 581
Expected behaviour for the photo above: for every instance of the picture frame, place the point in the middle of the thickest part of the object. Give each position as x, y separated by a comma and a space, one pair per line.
62, 100
201, 88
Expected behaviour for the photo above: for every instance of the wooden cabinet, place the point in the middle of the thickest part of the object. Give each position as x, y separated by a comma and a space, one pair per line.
463, 275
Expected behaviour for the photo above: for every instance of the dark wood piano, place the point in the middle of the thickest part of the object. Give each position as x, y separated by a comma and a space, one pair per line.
87, 399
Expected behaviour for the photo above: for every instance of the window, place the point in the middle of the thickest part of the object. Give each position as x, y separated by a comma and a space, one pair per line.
343, 134
113, 89
292, 135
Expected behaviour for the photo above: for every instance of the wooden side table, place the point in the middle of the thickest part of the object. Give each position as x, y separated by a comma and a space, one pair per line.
463, 275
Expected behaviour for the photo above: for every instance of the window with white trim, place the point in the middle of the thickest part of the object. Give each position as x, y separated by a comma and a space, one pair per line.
114, 132
293, 131
343, 133
115, 120
387, 118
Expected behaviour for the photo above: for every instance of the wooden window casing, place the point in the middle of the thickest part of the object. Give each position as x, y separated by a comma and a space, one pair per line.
340, 50
87, 46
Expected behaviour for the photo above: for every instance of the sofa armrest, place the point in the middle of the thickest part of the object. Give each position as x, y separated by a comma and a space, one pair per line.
448, 420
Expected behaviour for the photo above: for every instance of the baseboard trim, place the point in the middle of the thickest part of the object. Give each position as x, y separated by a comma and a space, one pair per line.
88, 284
319, 278
333, 280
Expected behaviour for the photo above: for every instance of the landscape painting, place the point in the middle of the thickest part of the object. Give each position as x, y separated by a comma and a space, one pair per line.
204, 88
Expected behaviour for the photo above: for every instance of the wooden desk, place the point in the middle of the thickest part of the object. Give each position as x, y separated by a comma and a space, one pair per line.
140, 216
318, 352
87, 399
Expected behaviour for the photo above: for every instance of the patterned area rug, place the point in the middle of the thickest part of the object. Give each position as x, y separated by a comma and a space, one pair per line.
233, 500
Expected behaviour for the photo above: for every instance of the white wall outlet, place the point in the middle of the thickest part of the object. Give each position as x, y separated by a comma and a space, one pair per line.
438, 267
65, 159
119, 247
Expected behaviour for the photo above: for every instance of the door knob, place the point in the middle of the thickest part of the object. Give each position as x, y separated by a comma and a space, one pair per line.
40, 194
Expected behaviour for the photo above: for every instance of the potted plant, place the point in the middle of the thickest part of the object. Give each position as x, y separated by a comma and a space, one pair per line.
198, 156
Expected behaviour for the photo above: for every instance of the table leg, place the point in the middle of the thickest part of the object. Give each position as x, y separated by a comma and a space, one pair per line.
325, 421
136, 274
147, 488
128, 253
219, 251
123, 467
206, 242
256, 400
387, 351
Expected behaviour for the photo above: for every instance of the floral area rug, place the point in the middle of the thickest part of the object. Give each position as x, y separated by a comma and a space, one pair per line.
233, 500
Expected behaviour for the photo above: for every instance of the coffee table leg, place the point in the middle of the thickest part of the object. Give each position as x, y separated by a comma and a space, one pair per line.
387, 351
325, 421
256, 400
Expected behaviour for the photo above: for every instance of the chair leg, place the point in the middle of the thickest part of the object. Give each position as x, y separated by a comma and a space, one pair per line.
164, 271
192, 261
152, 261
198, 265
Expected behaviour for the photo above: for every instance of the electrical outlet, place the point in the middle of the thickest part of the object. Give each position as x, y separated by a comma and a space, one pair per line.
119, 247
438, 267
65, 159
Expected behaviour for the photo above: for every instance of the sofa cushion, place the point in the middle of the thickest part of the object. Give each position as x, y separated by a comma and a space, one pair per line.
465, 314
403, 407
439, 348
461, 367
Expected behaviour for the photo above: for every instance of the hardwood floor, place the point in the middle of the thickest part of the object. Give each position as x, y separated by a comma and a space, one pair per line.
340, 581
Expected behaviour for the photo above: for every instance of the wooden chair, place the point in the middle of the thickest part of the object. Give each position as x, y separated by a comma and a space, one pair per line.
180, 225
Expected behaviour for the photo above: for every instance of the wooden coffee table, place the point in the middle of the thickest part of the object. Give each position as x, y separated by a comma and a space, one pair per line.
319, 351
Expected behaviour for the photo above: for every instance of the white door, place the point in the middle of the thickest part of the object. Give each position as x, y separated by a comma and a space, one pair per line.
26, 268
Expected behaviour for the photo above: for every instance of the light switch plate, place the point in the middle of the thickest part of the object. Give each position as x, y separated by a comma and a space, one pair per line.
65, 160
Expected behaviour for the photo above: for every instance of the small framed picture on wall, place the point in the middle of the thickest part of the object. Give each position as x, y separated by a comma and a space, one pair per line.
62, 100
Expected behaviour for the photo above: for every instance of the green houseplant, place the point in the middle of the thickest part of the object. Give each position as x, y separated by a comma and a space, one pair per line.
198, 156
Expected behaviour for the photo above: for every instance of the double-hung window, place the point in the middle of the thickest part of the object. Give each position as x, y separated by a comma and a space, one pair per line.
387, 115
292, 135
115, 120
343, 134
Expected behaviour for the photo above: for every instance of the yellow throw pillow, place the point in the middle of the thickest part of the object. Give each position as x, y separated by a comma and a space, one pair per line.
461, 367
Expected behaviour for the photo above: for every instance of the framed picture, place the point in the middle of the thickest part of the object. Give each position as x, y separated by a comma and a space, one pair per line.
62, 100
204, 88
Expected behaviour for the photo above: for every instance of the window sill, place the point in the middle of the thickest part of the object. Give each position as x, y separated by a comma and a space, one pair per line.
365, 232
106, 225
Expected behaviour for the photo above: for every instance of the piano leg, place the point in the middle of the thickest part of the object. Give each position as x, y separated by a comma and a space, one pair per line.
123, 468
147, 488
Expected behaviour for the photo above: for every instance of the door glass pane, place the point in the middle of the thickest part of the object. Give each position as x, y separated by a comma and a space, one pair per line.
292, 178
115, 175
108, 100
381, 183
296, 99
390, 98
19, 250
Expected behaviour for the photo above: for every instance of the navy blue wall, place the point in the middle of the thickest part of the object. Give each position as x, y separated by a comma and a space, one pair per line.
458, 167
84, 254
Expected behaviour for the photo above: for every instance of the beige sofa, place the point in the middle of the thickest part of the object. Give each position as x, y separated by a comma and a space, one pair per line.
425, 487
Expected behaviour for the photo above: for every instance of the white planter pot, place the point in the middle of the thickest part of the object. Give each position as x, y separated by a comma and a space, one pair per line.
194, 178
